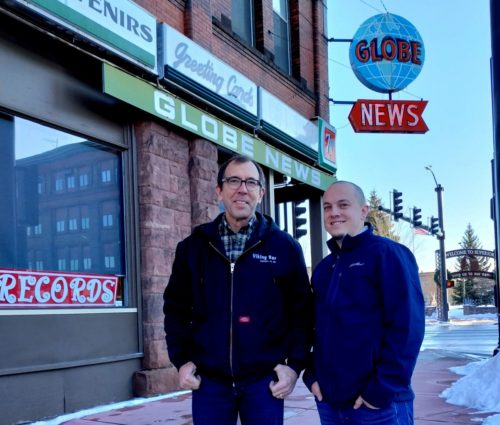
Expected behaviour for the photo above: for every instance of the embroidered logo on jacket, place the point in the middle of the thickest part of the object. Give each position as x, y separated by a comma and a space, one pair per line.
358, 264
265, 258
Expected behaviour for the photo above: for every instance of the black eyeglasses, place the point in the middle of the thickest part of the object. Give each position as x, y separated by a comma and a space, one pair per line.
235, 183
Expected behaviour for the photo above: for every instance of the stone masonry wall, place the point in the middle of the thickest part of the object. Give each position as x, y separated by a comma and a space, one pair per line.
176, 181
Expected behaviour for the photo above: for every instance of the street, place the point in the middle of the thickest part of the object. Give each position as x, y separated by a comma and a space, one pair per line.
479, 339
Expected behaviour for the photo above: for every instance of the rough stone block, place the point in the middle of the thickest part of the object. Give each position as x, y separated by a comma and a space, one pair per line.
148, 383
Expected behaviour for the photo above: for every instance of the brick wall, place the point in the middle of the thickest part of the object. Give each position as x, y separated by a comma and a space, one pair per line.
306, 91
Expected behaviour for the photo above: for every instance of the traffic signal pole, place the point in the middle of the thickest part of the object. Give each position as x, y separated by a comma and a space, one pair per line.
442, 254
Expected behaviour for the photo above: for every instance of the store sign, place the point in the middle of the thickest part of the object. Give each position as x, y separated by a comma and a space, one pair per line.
327, 145
170, 108
119, 24
278, 114
388, 116
387, 53
54, 289
188, 58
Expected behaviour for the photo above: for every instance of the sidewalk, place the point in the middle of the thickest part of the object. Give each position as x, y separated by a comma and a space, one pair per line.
431, 377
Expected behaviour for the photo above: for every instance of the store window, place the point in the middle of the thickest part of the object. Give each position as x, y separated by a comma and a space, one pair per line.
281, 31
242, 20
45, 268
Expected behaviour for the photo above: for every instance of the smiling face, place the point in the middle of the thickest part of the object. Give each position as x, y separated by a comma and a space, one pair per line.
344, 210
240, 203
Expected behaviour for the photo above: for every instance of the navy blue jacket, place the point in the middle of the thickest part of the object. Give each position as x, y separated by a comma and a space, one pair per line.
370, 321
239, 320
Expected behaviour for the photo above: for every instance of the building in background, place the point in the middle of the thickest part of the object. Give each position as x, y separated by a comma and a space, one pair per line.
114, 118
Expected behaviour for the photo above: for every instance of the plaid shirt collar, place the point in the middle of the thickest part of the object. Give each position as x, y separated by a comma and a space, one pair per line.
234, 243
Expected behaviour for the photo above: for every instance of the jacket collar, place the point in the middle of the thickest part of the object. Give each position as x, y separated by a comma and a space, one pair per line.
350, 242
264, 226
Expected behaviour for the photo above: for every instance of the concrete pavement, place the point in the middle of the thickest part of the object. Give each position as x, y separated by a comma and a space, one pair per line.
431, 377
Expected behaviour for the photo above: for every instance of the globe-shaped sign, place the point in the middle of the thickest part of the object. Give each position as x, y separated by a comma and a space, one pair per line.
387, 53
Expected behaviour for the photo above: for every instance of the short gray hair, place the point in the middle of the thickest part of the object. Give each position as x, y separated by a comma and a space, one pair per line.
357, 190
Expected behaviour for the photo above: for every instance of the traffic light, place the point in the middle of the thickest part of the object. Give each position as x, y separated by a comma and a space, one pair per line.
450, 283
434, 225
299, 222
417, 217
396, 204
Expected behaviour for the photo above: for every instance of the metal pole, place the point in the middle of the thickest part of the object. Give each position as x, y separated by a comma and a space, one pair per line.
495, 88
442, 253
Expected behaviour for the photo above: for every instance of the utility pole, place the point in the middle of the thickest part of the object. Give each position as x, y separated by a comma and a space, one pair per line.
442, 253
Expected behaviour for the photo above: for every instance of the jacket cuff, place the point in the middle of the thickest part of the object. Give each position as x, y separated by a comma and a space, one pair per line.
378, 395
309, 378
296, 366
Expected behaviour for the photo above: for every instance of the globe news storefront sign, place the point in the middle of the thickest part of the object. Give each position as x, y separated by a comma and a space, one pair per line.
182, 61
387, 54
170, 108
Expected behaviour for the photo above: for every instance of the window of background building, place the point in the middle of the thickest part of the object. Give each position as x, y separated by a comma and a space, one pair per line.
242, 20
281, 31
60, 217
41, 185
69, 241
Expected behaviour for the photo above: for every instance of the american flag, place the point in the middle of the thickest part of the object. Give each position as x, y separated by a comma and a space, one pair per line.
420, 231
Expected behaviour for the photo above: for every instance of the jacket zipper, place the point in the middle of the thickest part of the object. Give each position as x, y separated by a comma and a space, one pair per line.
232, 265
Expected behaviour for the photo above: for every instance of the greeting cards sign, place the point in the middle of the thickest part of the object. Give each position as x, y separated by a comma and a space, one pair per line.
56, 289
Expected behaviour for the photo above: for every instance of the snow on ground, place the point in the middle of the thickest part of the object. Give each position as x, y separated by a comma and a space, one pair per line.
479, 388
106, 408
456, 317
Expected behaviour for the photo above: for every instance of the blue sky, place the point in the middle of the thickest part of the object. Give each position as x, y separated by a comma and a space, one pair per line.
455, 80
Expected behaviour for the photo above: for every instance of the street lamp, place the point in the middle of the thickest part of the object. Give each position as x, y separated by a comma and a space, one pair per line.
442, 255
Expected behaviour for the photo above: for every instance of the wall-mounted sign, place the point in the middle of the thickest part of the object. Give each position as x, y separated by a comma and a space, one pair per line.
120, 25
287, 125
387, 53
327, 145
56, 289
171, 109
388, 116
180, 55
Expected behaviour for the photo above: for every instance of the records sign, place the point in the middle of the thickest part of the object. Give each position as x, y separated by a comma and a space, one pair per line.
19, 288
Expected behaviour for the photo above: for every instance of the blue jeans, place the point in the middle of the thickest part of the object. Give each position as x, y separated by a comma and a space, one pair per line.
219, 403
398, 413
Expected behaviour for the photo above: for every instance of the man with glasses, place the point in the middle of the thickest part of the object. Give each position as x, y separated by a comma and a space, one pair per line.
238, 314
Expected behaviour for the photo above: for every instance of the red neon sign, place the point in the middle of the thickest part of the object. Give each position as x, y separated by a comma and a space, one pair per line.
388, 116
19, 288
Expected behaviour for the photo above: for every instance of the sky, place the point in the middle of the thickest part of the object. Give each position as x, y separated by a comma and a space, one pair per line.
455, 80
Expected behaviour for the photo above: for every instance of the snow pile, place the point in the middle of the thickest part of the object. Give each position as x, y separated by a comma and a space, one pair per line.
479, 388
